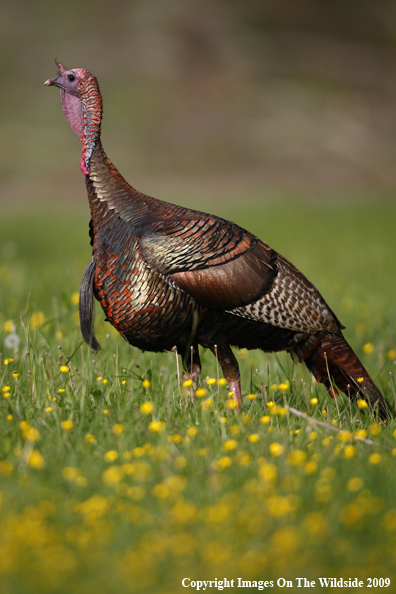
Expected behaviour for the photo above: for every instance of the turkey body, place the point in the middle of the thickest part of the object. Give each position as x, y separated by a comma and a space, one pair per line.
167, 276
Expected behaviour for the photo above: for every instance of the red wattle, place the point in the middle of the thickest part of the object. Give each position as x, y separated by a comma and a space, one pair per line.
83, 167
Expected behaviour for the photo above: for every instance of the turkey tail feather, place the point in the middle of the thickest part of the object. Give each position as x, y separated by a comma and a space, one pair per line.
86, 306
330, 356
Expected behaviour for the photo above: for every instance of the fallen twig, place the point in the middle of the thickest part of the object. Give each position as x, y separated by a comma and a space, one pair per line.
309, 419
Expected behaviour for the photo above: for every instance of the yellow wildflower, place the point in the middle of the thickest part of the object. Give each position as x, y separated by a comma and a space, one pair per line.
111, 456
161, 491
6, 468
187, 383
355, 484
63, 369
9, 327
118, 429
48, 409
251, 396
128, 468
284, 386
36, 460
146, 383
9, 417
349, 451
361, 403
200, 393
138, 452
112, 475
67, 425
328, 474
75, 298
368, 348
311, 467
223, 382
36, 320
351, 514
31, 434
278, 410
231, 404
297, 457
229, 445
7, 361
222, 463
234, 430
207, 404
391, 354
253, 437
314, 401
268, 472
316, 524
106, 411
61, 390
313, 435
15, 375
375, 458
361, 433
345, 436
184, 512
180, 462
243, 458
246, 419
265, 419
157, 426
70, 473
327, 440
374, 429
276, 449
175, 438
104, 381
90, 438
211, 381
146, 407
191, 431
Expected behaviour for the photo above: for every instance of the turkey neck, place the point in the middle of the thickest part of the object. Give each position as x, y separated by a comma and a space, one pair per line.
110, 196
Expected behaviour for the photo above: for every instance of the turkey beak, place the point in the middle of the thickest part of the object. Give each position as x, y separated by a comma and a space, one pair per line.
52, 82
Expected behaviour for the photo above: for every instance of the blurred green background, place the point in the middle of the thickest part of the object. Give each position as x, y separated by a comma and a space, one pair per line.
278, 115
205, 96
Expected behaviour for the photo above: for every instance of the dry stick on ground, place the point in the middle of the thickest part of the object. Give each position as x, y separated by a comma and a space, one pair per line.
177, 366
326, 426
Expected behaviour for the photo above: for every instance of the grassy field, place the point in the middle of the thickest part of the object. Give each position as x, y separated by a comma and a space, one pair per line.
111, 481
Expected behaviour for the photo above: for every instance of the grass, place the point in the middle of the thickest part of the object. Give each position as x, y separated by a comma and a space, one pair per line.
110, 479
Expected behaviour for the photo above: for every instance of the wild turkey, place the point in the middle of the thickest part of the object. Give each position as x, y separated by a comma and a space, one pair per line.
169, 276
